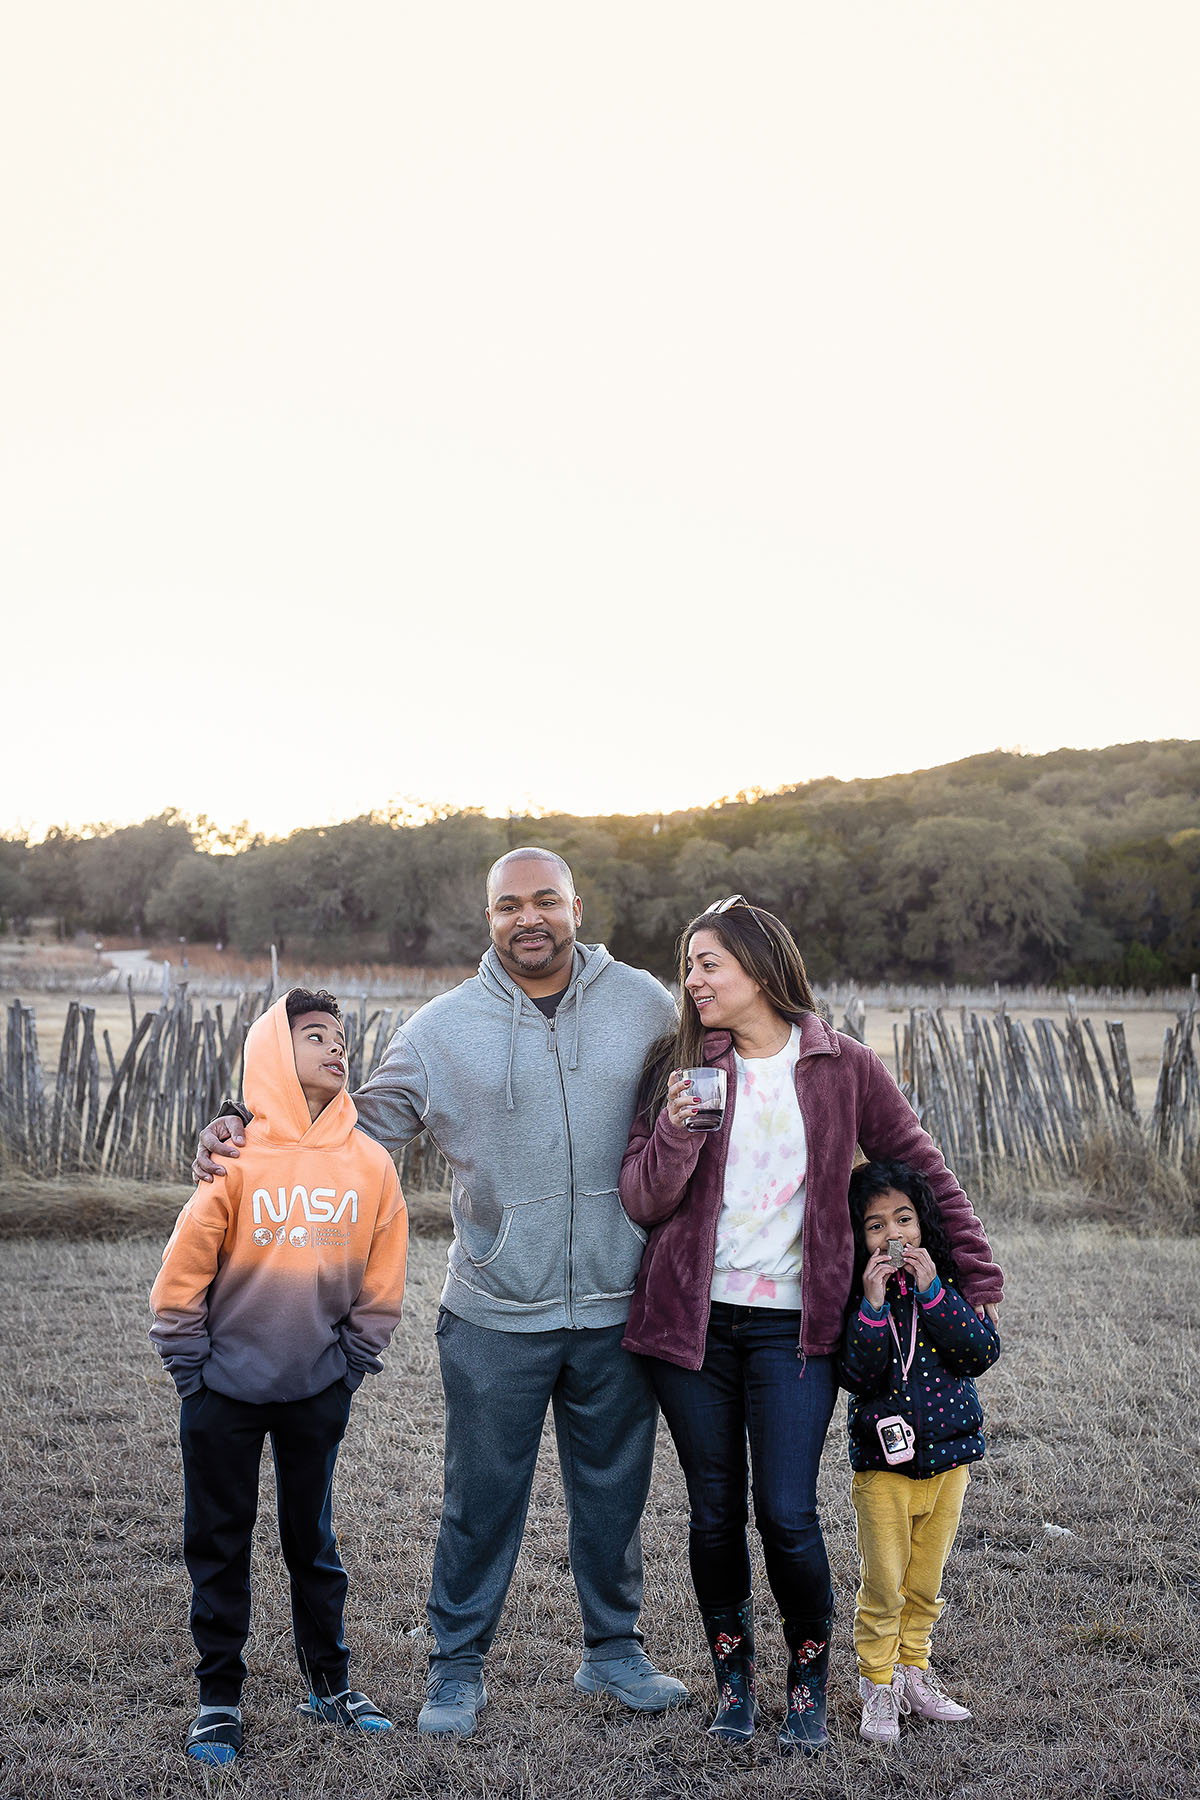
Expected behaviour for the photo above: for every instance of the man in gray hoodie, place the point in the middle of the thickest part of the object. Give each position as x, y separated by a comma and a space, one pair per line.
525, 1078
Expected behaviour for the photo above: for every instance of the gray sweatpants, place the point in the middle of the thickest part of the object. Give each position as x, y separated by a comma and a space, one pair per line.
498, 1385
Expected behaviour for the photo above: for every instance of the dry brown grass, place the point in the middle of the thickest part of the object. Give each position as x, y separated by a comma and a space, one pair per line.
82, 1207
353, 977
1131, 1186
33, 955
1122, 1187
1121, 1184
1077, 1653
28, 959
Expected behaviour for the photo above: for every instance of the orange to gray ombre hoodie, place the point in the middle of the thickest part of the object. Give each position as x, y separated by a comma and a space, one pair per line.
287, 1274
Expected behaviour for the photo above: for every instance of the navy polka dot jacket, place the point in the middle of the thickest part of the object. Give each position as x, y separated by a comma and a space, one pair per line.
938, 1399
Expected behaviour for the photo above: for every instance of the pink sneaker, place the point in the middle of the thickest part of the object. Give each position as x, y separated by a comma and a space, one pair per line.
925, 1698
882, 1707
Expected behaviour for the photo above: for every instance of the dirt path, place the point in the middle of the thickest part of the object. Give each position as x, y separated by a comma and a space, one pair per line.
130, 960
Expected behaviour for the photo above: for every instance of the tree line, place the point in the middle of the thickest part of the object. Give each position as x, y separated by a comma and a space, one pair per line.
1078, 866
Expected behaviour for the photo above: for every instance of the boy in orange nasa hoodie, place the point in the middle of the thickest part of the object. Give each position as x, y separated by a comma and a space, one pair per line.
279, 1290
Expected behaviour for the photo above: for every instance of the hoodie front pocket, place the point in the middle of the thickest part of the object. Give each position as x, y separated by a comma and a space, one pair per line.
525, 1265
608, 1248
498, 1243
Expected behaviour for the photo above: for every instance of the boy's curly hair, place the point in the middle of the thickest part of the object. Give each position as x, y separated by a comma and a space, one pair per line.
870, 1180
304, 1000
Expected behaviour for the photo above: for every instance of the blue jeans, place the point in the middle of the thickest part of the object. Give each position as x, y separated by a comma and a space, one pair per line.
753, 1386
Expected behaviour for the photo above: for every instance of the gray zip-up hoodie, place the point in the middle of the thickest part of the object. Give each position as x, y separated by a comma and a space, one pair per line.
533, 1115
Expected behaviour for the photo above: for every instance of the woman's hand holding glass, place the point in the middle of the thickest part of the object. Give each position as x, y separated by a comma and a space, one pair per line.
680, 1105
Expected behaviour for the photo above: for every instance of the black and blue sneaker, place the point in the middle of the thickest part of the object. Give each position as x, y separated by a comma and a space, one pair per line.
215, 1735
351, 1710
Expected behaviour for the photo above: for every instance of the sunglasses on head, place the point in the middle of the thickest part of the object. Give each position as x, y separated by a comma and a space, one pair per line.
724, 906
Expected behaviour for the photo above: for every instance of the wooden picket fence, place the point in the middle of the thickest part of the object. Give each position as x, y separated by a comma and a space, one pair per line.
180, 1063
992, 1090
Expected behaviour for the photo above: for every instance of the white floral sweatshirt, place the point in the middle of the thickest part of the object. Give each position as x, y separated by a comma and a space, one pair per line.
762, 1208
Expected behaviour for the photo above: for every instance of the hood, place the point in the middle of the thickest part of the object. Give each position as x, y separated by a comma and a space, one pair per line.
274, 1095
588, 961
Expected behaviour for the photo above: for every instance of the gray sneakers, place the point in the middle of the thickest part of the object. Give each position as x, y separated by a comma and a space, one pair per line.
452, 1706
455, 1702
632, 1679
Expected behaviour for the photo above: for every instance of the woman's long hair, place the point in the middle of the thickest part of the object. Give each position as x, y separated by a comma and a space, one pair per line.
767, 951
870, 1180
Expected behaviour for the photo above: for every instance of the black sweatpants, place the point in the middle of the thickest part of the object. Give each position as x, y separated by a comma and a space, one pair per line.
222, 1442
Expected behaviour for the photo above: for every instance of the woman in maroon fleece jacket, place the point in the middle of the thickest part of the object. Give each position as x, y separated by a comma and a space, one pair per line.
746, 1276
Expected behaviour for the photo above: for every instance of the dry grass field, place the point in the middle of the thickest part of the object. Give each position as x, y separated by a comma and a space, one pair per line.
37, 965
1077, 1652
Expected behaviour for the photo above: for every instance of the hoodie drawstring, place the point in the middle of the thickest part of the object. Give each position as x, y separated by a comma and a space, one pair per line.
512, 1049
488, 969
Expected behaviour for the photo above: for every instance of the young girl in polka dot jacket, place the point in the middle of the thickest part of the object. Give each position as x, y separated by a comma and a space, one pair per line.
912, 1345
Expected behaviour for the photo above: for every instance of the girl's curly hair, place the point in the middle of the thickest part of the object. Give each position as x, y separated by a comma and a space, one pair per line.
870, 1180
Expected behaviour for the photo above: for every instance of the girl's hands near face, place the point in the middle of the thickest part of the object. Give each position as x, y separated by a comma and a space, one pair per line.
920, 1265
680, 1105
875, 1275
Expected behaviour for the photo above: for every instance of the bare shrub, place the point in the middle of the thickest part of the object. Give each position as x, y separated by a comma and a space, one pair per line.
1134, 1187
83, 1207
1120, 1183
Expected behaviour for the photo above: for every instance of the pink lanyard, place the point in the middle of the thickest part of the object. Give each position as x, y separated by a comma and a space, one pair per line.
905, 1361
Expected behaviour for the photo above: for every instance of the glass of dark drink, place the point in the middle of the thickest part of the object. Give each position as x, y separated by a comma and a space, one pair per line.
707, 1086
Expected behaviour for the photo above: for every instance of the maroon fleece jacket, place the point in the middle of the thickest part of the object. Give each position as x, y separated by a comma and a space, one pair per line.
672, 1181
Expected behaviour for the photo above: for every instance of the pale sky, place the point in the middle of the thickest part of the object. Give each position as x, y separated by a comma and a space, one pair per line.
589, 407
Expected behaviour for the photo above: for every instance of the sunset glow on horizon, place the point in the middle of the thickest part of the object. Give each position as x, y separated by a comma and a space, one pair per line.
535, 411
415, 809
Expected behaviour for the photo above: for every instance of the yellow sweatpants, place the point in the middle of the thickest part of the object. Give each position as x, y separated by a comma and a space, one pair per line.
905, 1530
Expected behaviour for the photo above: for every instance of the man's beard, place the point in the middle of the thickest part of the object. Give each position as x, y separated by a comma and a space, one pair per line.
544, 960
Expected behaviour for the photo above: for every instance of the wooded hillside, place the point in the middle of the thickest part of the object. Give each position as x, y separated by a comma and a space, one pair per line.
1078, 866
